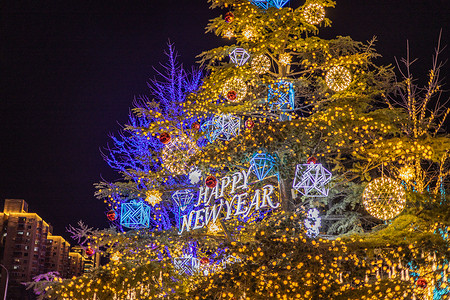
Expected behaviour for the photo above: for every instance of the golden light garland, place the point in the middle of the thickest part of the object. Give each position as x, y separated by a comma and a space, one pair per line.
338, 78
384, 198
153, 197
236, 85
314, 13
177, 153
260, 64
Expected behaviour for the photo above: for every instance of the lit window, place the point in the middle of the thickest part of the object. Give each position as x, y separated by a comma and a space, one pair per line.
36, 248
19, 232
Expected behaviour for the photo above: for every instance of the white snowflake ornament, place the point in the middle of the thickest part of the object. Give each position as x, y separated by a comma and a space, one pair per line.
311, 180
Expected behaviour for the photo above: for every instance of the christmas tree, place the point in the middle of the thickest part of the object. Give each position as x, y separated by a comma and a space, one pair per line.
289, 167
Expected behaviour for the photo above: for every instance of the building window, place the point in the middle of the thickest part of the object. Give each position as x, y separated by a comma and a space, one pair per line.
19, 232
16, 267
28, 234
36, 248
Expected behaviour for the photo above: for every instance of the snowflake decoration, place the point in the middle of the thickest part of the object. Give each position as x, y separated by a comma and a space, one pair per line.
183, 198
384, 198
281, 96
135, 214
176, 154
314, 13
236, 85
311, 180
195, 176
338, 78
222, 127
312, 223
239, 56
186, 264
262, 164
214, 228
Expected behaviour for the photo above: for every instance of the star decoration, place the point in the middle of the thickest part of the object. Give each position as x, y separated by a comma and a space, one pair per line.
262, 164
311, 180
135, 215
222, 127
281, 96
187, 264
239, 56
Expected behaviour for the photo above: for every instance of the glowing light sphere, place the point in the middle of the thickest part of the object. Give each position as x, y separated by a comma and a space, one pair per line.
338, 78
153, 197
311, 180
236, 85
260, 64
239, 56
229, 17
262, 165
314, 13
176, 154
384, 198
284, 59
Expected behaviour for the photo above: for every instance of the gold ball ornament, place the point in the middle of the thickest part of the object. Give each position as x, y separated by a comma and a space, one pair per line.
260, 64
238, 86
338, 78
384, 198
176, 154
153, 197
314, 13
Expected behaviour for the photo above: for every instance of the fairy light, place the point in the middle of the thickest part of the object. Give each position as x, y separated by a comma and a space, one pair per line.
314, 13
260, 64
153, 197
238, 86
249, 33
284, 59
176, 154
338, 78
406, 173
384, 198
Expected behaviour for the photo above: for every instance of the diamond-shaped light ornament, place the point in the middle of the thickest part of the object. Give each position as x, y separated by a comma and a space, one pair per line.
311, 180
239, 56
262, 165
264, 4
222, 127
278, 3
281, 96
186, 264
183, 198
135, 214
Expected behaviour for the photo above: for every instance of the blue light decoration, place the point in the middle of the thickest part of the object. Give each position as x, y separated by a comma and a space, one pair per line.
222, 127
183, 204
281, 96
262, 165
311, 180
135, 215
265, 4
239, 56
313, 222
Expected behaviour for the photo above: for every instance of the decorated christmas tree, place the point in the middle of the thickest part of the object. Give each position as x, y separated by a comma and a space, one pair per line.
288, 167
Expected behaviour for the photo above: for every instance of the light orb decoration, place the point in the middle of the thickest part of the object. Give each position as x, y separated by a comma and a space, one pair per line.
249, 33
338, 78
176, 154
284, 59
236, 85
239, 56
384, 198
314, 13
153, 197
260, 64
406, 173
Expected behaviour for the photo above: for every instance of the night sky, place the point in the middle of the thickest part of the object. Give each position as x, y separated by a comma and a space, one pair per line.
69, 71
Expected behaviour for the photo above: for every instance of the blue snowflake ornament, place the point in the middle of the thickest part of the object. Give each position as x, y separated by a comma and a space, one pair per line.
135, 215
262, 165
281, 96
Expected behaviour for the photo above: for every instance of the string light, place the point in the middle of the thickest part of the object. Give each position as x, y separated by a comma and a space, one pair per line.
176, 154
284, 59
338, 78
236, 85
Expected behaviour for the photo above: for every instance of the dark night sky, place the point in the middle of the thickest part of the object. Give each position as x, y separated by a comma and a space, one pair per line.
69, 71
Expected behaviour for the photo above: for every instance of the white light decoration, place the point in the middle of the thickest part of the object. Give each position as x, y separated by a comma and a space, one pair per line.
384, 198
260, 64
406, 173
183, 198
239, 56
311, 180
195, 176
236, 85
176, 154
229, 33
222, 127
248, 33
314, 13
338, 78
187, 265
284, 59
153, 197
313, 222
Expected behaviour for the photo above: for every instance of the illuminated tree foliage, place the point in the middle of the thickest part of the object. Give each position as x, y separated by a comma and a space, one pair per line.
276, 97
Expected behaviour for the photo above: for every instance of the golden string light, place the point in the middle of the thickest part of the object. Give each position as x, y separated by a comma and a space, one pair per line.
314, 13
338, 78
260, 64
406, 173
384, 198
234, 89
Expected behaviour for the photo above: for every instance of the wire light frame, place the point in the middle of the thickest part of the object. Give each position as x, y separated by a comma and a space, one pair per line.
262, 165
338, 78
239, 56
222, 127
384, 198
311, 180
186, 265
265, 4
135, 215
314, 13
281, 96
176, 154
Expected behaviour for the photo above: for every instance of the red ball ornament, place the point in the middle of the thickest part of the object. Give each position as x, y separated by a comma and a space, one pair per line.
421, 282
195, 126
165, 138
229, 17
232, 95
204, 261
311, 160
211, 181
89, 251
111, 215
249, 123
